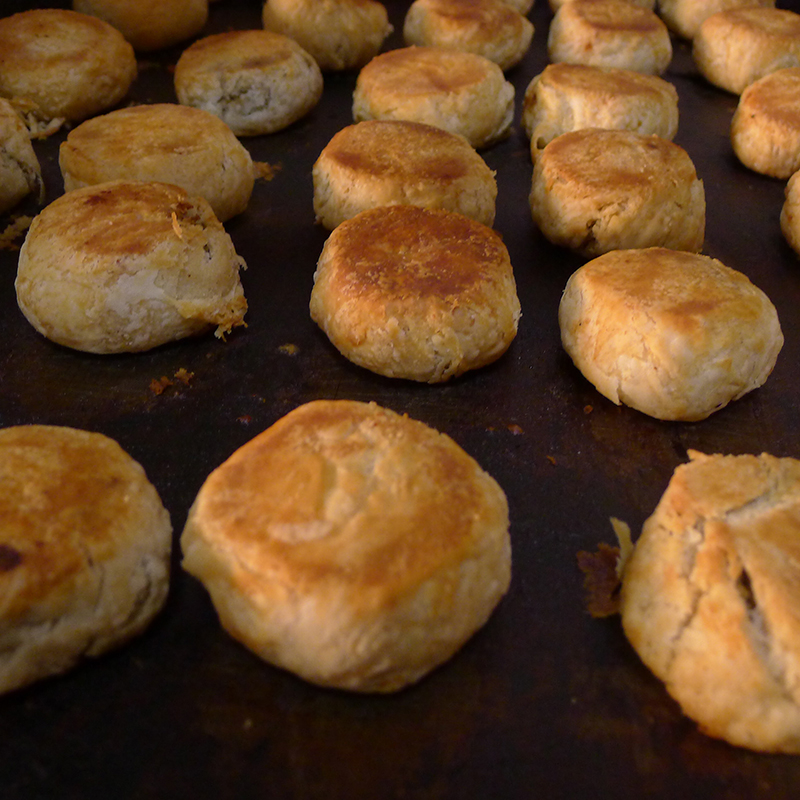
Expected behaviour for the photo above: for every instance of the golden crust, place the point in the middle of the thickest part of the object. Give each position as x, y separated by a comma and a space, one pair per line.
353, 546
765, 130
595, 190
126, 266
387, 162
256, 81
710, 597
150, 24
461, 92
20, 171
490, 28
790, 213
609, 33
684, 17
736, 47
163, 142
69, 65
84, 550
416, 293
672, 334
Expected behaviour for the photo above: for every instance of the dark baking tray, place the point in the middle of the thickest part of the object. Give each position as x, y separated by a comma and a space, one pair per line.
545, 701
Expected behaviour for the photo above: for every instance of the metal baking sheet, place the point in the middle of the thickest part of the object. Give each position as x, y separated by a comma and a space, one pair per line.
545, 701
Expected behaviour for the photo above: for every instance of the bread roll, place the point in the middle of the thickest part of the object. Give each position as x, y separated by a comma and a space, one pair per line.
126, 266
461, 92
355, 547
84, 550
20, 171
672, 334
68, 65
257, 82
684, 17
390, 162
710, 597
790, 213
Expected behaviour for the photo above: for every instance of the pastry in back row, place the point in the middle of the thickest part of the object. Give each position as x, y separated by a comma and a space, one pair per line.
84, 550
672, 334
711, 592
595, 190
461, 92
20, 171
351, 545
126, 266
150, 24
568, 97
67, 65
164, 142
609, 33
765, 129
736, 47
257, 81
790, 213
684, 17
339, 34
416, 293
490, 28
389, 162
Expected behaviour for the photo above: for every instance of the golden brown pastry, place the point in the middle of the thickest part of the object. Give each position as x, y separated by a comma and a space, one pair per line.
684, 17
20, 171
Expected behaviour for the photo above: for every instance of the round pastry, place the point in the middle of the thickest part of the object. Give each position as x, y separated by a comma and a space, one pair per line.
672, 334
490, 28
416, 293
164, 142
595, 190
256, 81
765, 130
568, 97
790, 213
461, 92
684, 17
648, 4
84, 550
734, 48
150, 24
20, 171
127, 266
711, 592
67, 65
350, 545
609, 33
523, 6
390, 162
339, 34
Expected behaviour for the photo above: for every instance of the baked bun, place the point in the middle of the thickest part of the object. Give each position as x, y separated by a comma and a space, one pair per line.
490, 28
765, 131
790, 213
568, 97
461, 92
672, 334
126, 266
20, 171
595, 190
67, 65
164, 142
648, 4
609, 33
684, 17
523, 6
390, 162
734, 48
84, 550
150, 24
710, 597
339, 34
256, 81
416, 293
352, 546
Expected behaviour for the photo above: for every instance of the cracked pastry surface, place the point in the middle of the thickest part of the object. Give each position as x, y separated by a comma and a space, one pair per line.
711, 597
20, 171
415, 293
256, 81
594, 190
672, 334
84, 550
351, 545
